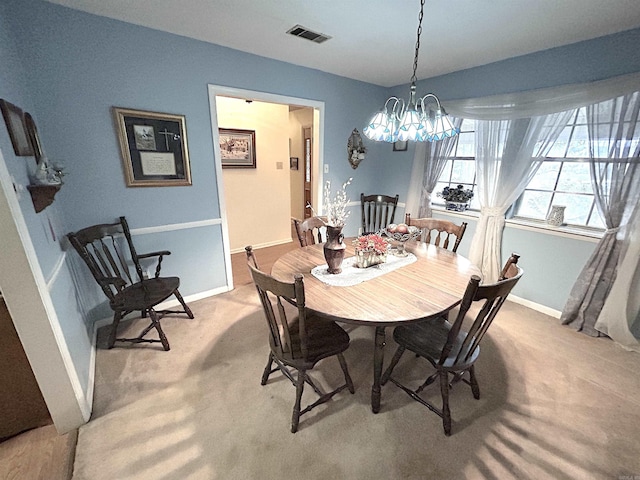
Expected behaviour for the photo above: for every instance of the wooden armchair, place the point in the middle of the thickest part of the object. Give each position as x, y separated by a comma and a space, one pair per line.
297, 341
378, 211
449, 348
108, 251
308, 230
441, 233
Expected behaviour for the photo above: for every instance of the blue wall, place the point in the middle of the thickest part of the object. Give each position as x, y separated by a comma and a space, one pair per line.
552, 263
68, 69
44, 228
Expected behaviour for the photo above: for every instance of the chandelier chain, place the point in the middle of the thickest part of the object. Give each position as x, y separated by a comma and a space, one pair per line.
415, 58
411, 120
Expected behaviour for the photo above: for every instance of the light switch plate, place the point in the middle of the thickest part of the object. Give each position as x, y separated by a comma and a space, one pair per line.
279, 165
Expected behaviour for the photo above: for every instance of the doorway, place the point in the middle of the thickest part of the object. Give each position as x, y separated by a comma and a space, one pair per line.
246, 187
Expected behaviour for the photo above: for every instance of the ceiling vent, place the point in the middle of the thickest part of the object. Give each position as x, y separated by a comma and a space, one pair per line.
300, 31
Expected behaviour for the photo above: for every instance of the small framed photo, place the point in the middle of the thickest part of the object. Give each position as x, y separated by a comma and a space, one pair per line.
14, 118
237, 148
154, 148
400, 146
293, 163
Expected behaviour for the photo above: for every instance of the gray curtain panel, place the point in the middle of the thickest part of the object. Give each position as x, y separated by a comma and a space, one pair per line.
615, 175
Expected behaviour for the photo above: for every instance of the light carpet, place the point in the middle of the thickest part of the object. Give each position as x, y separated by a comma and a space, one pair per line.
554, 404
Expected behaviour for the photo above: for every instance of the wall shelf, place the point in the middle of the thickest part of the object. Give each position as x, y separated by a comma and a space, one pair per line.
42, 195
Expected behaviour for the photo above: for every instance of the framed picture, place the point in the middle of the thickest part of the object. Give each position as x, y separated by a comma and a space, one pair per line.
14, 118
153, 147
400, 146
237, 148
293, 163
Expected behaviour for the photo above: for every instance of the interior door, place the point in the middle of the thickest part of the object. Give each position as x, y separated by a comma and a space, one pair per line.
308, 168
23, 406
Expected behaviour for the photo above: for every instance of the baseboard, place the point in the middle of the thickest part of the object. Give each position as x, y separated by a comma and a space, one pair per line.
192, 298
535, 306
263, 245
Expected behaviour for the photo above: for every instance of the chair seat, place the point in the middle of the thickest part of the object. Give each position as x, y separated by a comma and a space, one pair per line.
324, 339
428, 338
145, 294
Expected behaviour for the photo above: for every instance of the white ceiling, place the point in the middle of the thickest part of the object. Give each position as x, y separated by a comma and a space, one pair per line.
374, 40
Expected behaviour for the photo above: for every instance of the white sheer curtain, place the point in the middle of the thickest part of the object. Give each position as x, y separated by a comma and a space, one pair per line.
517, 106
542, 101
428, 163
615, 175
508, 154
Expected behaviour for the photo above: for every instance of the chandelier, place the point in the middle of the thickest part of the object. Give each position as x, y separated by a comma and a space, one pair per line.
417, 120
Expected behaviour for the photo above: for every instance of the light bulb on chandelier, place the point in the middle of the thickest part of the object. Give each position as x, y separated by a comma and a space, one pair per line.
415, 120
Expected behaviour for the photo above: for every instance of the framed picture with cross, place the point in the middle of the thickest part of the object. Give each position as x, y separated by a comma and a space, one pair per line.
153, 147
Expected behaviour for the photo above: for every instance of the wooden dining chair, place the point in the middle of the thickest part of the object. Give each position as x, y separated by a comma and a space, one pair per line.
308, 230
447, 346
378, 211
298, 339
441, 233
108, 251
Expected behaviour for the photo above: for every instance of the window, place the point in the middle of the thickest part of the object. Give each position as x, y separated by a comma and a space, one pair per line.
461, 168
564, 178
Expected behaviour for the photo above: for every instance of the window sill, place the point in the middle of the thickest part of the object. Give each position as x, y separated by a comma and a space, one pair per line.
590, 235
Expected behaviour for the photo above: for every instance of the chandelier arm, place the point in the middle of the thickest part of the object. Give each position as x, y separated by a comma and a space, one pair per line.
396, 100
431, 95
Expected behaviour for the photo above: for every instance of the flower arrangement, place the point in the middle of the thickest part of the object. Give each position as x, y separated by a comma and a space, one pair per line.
459, 194
371, 243
336, 209
370, 250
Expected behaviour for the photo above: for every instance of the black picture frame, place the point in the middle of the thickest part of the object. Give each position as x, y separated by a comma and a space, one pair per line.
237, 148
153, 147
16, 126
293, 163
400, 146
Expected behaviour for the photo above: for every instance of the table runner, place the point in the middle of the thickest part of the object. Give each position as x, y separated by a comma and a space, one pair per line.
352, 275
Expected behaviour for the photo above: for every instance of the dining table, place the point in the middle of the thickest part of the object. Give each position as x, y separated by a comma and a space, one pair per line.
428, 282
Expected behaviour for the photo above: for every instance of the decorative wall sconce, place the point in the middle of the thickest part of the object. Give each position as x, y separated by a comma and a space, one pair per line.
355, 149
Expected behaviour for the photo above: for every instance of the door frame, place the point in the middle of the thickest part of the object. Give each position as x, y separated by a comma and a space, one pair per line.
318, 136
34, 317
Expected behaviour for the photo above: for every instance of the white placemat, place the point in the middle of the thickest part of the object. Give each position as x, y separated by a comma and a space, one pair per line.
352, 275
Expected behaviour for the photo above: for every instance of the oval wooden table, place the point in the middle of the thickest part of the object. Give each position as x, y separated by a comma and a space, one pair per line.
429, 287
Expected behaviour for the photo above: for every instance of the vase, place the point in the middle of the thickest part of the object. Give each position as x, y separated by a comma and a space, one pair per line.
334, 249
369, 259
457, 206
556, 215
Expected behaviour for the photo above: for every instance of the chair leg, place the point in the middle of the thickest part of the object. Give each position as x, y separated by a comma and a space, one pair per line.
475, 388
114, 329
394, 361
347, 377
187, 310
156, 323
295, 419
267, 370
446, 413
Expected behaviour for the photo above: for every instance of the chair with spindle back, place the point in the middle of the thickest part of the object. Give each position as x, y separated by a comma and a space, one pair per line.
441, 233
449, 348
298, 339
378, 211
308, 230
108, 251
